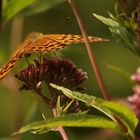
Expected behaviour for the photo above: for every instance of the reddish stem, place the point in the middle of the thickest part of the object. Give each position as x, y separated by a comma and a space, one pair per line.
47, 101
89, 49
60, 128
93, 61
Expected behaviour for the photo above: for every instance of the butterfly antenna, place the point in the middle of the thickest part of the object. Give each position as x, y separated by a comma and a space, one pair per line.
60, 23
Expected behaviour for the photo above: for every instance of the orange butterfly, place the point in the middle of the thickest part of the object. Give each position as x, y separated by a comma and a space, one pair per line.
38, 43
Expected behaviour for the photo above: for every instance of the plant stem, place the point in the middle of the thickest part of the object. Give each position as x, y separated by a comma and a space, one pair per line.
60, 128
47, 101
89, 49
93, 60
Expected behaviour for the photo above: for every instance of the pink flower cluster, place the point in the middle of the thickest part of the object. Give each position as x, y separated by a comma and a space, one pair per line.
135, 99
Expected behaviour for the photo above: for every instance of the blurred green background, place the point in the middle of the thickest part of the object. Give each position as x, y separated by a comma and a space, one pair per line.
15, 105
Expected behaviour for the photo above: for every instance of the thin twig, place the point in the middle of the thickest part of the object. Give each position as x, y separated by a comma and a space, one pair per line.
60, 128
89, 49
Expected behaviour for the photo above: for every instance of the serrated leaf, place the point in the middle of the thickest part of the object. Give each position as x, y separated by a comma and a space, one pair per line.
122, 111
89, 100
71, 121
119, 32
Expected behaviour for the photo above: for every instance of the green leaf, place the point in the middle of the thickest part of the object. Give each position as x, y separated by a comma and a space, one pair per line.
43, 130
68, 106
109, 108
119, 32
58, 107
22, 8
89, 100
39, 6
71, 121
125, 114
124, 74
12, 7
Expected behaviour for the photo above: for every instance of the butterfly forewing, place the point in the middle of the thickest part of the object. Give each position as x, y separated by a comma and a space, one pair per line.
38, 43
43, 45
72, 39
12, 61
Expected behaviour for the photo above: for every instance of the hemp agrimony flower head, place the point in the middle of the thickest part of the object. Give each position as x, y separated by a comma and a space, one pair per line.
135, 99
32, 76
56, 70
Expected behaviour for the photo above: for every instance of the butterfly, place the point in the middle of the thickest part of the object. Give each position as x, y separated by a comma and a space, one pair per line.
37, 43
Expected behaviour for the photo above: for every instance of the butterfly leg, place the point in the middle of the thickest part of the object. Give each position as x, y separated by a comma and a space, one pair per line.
26, 58
39, 55
54, 53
